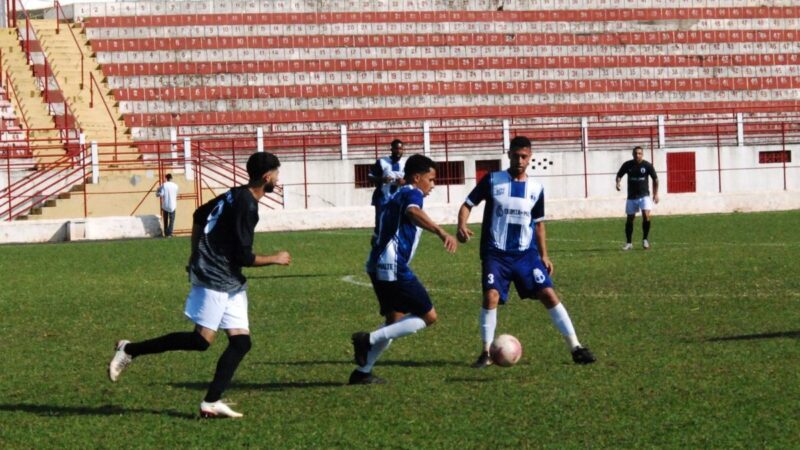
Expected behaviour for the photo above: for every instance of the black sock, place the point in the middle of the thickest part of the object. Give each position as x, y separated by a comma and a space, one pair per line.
169, 342
629, 231
238, 346
645, 228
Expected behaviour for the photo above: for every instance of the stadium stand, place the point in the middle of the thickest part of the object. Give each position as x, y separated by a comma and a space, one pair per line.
198, 64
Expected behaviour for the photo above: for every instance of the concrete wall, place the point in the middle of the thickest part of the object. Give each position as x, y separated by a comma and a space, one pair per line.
331, 183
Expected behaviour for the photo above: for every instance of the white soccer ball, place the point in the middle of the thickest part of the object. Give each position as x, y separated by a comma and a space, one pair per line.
506, 350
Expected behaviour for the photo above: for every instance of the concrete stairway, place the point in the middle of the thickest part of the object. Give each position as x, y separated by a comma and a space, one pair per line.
26, 98
93, 118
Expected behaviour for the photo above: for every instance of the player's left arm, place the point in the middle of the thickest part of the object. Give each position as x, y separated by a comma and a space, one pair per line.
541, 242
421, 219
654, 176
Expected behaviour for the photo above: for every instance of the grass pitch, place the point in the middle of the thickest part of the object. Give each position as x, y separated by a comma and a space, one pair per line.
697, 346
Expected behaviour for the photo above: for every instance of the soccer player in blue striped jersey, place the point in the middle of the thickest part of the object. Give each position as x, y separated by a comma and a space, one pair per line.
404, 301
514, 248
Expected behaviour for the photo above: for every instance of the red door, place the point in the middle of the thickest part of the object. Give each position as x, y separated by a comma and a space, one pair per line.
484, 167
681, 172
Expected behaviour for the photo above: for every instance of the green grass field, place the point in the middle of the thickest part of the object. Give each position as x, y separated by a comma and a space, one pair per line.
697, 346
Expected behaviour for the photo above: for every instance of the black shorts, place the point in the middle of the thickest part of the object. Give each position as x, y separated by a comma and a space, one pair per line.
405, 296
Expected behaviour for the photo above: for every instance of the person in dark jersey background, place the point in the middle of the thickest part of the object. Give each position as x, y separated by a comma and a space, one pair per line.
637, 170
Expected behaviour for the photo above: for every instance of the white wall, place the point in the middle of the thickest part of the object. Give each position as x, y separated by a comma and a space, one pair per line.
331, 183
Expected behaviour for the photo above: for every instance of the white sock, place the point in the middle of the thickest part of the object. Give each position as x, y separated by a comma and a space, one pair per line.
373, 355
561, 320
488, 321
403, 327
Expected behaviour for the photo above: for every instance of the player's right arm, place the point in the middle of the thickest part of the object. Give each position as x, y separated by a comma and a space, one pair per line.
479, 193
421, 219
621, 172
464, 233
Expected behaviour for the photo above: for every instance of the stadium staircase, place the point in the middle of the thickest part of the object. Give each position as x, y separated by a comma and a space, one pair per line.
133, 181
64, 55
27, 96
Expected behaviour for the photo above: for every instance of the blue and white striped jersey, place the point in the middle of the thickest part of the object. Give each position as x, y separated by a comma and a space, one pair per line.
512, 209
385, 167
397, 237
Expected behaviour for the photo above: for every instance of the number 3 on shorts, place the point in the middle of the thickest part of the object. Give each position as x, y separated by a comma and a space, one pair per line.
490, 278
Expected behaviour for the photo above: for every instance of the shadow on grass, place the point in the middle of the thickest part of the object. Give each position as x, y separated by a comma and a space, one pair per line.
388, 363
297, 275
202, 386
468, 380
105, 410
749, 337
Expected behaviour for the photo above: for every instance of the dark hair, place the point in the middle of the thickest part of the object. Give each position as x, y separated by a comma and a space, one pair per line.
417, 164
638, 147
519, 142
260, 163
396, 144
168, 177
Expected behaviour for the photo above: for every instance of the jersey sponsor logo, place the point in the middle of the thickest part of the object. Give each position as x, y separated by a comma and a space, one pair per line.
386, 266
498, 191
538, 276
500, 212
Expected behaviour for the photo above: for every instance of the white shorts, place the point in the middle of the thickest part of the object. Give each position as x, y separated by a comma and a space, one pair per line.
632, 206
213, 309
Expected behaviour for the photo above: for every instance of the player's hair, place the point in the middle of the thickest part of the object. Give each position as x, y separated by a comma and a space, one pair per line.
417, 164
168, 177
519, 142
396, 144
638, 147
260, 163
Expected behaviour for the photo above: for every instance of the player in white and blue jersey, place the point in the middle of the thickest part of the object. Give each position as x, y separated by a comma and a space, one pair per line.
387, 175
404, 301
514, 248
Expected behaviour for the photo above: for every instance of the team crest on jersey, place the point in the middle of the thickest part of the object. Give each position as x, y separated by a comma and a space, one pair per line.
498, 211
642, 170
538, 276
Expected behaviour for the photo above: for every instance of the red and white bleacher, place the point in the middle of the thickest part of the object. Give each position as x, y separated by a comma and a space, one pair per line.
205, 65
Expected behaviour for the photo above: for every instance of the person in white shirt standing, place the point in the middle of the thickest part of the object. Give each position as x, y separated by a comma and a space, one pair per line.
168, 193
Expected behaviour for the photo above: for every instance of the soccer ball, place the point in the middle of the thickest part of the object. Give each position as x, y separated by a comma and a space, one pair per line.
505, 350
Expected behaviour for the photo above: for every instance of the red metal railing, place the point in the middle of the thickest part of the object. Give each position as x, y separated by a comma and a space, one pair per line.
59, 14
93, 82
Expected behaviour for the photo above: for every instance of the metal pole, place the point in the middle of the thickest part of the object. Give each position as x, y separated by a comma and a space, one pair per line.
584, 150
784, 155
233, 160
305, 169
446, 162
8, 181
719, 163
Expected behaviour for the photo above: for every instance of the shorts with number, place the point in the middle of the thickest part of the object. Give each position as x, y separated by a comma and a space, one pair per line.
527, 271
633, 205
213, 309
405, 296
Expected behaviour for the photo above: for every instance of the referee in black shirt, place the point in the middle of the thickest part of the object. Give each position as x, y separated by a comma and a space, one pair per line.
637, 170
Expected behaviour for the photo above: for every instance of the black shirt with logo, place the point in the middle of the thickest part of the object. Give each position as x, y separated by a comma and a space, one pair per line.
226, 243
638, 185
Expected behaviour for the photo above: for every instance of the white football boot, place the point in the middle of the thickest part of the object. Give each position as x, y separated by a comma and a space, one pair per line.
120, 361
645, 244
627, 246
218, 409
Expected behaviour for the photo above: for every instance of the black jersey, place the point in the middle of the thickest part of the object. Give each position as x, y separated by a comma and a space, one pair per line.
226, 242
638, 184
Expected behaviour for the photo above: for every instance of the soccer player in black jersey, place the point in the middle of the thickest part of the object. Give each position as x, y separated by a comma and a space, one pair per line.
222, 243
637, 170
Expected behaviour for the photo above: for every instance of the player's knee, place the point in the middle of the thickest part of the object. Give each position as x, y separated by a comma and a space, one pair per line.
430, 318
241, 343
630, 219
200, 343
